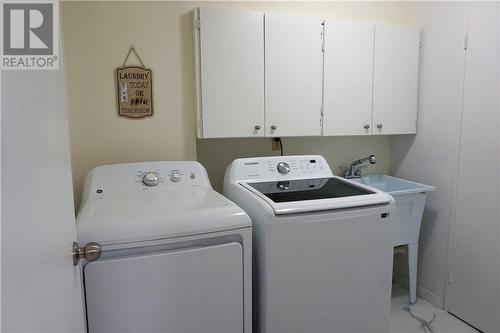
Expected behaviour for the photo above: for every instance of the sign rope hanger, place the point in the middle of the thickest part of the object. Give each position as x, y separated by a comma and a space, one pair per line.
130, 50
134, 89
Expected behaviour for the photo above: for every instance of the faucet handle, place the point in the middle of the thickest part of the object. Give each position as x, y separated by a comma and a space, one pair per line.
359, 168
345, 171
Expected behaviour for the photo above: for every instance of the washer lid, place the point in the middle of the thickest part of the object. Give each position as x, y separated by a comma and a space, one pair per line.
314, 194
150, 215
308, 189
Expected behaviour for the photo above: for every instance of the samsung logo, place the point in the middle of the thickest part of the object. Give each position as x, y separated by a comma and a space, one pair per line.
251, 163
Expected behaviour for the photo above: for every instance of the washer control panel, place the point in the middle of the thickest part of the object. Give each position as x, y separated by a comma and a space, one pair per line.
280, 167
304, 166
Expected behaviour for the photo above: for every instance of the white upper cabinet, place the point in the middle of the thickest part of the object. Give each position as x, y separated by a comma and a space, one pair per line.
293, 75
348, 78
230, 72
277, 75
395, 82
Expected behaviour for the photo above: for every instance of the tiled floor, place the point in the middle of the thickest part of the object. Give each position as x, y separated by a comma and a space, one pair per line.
423, 317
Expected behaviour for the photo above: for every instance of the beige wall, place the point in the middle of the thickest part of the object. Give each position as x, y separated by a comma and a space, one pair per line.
96, 37
216, 154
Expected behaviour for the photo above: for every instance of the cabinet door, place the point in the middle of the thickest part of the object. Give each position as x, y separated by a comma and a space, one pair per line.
294, 72
230, 73
348, 87
395, 86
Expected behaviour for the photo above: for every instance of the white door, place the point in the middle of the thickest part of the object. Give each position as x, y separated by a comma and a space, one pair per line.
230, 73
41, 288
294, 74
348, 87
474, 288
184, 290
395, 81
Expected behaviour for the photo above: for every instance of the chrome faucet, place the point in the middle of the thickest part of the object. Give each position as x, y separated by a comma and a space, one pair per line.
354, 171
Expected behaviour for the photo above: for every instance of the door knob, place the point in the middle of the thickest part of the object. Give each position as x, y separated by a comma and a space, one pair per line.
90, 252
273, 127
367, 126
379, 126
257, 127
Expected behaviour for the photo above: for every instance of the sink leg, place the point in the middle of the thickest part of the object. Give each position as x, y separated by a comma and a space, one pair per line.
412, 267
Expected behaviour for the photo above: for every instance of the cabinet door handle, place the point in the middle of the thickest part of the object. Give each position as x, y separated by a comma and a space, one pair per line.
257, 127
273, 127
367, 126
379, 126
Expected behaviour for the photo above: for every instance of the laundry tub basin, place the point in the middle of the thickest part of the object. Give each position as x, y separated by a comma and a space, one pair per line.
410, 202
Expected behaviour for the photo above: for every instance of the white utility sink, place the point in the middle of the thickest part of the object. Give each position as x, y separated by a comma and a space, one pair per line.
393, 185
410, 202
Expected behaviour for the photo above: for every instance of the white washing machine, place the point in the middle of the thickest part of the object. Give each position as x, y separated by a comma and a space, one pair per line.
322, 246
176, 255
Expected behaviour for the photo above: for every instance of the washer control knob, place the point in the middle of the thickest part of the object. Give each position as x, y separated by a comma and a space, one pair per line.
175, 177
283, 168
150, 179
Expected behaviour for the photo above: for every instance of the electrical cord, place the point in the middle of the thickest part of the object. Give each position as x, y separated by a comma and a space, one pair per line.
281, 144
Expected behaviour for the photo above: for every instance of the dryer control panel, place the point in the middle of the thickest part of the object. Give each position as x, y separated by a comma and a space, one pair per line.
162, 176
280, 167
145, 176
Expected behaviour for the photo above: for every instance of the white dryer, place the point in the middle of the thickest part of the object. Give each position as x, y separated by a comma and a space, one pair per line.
322, 246
176, 255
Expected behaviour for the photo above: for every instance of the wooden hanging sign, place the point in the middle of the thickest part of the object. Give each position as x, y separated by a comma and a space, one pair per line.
134, 90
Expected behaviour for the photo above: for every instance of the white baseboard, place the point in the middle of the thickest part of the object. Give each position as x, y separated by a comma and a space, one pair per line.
421, 291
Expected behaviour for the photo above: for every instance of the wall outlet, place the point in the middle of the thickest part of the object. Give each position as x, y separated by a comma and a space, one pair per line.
275, 145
